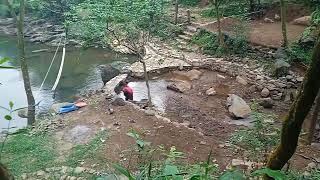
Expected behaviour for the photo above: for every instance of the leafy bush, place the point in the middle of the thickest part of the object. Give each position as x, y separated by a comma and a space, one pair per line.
300, 53
315, 17
190, 2
208, 41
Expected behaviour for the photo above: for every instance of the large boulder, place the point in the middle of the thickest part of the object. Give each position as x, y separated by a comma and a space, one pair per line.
281, 68
123, 67
23, 113
304, 21
107, 72
179, 86
237, 107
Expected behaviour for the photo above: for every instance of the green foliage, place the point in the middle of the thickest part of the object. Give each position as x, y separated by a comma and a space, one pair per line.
236, 9
189, 2
315, 17
24, 153
300, 53
4, 60
257, 141
209, 43
315, 174
85, 151
139, 141
232, 175
276, 175
99, 20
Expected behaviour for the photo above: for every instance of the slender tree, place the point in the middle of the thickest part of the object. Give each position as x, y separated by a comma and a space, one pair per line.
176, 7
283, 8
292, 125
217, 4
24, 66
314, 119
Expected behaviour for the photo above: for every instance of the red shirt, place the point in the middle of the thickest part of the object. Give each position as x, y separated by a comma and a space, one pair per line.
128, 90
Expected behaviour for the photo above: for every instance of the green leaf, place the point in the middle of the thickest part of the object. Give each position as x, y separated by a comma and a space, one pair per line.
8, 117
11, 104
3, 60
123, 171
7, 67
232, 175
275, 174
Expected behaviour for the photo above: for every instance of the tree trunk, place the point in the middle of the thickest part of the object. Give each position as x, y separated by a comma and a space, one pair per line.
23, 63
220, 35
176, 5
292, 125
314, 119
284, 22
146, 77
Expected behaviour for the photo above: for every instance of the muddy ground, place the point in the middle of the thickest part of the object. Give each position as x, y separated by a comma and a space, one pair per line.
198, 124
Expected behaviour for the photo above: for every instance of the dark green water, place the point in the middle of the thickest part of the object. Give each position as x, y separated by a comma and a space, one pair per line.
80, 74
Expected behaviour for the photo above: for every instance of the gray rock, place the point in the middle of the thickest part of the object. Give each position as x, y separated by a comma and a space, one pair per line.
241, 164
266, 102
268, 20
79, 134
24, 176
211, 92
252, 88
281, 54
150, 112
300, 79
41, 173
237, 107
123, 67
281, 68
265, 92
79, 170
311, 166
180, 86
23, 113
241, 80
118, 102
107, 72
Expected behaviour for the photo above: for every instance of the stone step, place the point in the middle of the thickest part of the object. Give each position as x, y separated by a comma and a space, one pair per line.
187, 38
188, 33
192, 29
182, 41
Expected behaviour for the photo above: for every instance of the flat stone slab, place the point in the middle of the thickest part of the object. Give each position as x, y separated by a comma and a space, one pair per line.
113, 83
155, 61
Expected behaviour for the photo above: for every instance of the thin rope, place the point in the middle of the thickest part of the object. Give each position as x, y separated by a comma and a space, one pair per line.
55, 54
60, 70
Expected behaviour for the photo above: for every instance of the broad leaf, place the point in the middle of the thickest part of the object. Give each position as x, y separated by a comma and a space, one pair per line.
123, 171
8, 117
232, 175
275, 174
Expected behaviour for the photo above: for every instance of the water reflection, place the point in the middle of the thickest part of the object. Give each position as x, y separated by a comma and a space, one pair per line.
80, 74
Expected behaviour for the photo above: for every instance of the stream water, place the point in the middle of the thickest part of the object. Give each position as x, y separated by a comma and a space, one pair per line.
80, 74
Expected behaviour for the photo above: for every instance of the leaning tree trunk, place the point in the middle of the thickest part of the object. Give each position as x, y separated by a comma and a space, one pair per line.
23, 63
292, 125
314, 119
284, 22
